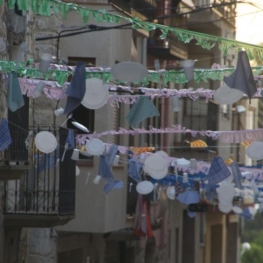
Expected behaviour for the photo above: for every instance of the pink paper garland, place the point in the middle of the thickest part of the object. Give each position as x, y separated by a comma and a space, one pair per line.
53, 91
236, 136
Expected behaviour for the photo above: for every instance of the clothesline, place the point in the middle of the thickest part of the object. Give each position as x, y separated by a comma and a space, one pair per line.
60, 73
236, 136
53, 90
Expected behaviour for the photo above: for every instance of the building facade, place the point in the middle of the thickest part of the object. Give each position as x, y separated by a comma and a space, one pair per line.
100, 229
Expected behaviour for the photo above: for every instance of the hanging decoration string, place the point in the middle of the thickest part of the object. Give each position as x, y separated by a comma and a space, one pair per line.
236, 136
60, 73
206, 41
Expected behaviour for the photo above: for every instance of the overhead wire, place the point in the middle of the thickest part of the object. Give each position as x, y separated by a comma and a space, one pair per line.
99, 28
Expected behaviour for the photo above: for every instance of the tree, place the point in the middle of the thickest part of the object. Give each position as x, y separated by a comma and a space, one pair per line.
253, 255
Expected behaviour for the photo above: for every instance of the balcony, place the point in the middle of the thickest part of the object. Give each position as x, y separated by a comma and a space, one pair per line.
167, 49
209, 19
143, 9
15, 160
44, 196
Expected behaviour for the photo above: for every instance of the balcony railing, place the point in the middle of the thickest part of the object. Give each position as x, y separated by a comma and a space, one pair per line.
169, 48
48, 188
143, 9
226, 8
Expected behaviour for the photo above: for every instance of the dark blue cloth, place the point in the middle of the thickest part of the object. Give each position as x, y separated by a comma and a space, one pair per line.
115, 184
134, 168
242, 78
5, 138
76, 89
15, 98
104, 169
70, 139
218, 171
110, 155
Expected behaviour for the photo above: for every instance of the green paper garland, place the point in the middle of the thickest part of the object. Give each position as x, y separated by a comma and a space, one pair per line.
26, 69
44, 8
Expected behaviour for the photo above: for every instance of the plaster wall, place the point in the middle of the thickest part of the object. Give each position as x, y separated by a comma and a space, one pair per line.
107, 46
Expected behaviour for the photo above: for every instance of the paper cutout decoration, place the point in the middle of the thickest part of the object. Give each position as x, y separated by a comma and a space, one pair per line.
134, 169
226, 95
189, 197
139, 150
129, 71
76, 89
104, 170
115, 184
198, 143
210, 192
110, 155
96, 94
228, 161
237, 175
70, 139
218, 171
246, 143
142, 109
188, 66
15, 98
5, 137
242, 78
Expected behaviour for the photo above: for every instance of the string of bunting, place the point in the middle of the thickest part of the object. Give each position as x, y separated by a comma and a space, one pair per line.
235, 136
53, 91
200, 172
60, 73
206, 41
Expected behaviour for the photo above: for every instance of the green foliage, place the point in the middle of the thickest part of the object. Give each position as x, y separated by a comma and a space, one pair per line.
253, 255
253, 229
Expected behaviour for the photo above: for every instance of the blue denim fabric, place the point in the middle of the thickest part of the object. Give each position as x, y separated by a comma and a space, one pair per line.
110, 155
134, 168
76, 89
5, 138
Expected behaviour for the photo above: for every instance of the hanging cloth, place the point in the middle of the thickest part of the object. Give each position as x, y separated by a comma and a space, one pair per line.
15, 98
5, 137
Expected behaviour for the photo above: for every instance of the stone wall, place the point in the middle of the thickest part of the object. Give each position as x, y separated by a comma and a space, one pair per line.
3, 112
42, 246
41, 242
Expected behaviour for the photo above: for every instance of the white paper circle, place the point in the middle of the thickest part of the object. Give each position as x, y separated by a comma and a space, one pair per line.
46, 142
95, 147
183, 163
224, 207
129, 71
255, 150
156, 166
227, 95
171, 192
96, 94
144, 187
237, 209
226, 192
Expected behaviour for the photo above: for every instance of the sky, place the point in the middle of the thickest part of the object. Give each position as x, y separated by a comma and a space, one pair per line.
249, 21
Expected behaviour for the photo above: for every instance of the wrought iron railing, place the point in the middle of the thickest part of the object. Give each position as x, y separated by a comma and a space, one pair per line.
47, 188
143, 9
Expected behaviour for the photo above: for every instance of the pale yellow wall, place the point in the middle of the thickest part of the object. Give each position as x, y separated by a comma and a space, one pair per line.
107, 46
214, 219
